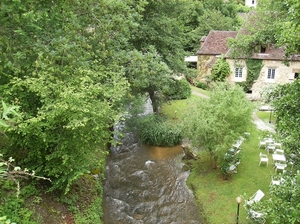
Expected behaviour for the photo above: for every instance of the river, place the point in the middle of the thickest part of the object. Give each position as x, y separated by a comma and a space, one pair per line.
146, 185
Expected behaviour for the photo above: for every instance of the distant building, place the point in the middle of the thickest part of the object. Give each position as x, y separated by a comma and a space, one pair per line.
251, 3
274, 71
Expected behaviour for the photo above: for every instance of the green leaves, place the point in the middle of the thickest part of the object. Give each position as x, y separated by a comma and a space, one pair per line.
216, 123
155, 131
220, 70
65, 73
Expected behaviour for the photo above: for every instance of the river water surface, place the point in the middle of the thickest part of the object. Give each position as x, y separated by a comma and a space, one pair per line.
147, 185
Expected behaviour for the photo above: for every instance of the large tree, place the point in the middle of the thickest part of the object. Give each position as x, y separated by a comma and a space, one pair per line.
214, 124
58, 64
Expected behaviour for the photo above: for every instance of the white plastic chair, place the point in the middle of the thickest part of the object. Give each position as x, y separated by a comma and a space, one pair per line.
280, 166
275, 181
270, 147
255, 198
263, 158
262, 143
278, 145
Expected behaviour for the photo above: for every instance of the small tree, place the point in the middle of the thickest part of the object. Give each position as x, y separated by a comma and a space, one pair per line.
216, 123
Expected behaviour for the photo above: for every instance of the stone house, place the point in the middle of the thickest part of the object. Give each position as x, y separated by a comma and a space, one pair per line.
273, 71
212, 47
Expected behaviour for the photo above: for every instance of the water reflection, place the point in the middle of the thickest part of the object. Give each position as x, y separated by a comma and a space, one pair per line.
147, 185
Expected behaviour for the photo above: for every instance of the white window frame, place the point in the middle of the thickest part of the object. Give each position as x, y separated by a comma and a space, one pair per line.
271, 73
238, 72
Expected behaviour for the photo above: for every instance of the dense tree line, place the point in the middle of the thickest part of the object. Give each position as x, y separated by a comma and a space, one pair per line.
69, 65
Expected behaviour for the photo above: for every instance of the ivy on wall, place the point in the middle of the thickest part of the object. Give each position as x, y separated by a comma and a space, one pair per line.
254, 67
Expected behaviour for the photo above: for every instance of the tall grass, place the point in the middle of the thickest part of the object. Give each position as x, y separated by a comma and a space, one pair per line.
216, 197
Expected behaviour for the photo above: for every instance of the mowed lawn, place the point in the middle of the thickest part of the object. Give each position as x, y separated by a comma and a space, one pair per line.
215, 196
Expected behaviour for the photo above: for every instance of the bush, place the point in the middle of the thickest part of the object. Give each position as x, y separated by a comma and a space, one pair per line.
191, 75
156, 131
202, 85
180, 89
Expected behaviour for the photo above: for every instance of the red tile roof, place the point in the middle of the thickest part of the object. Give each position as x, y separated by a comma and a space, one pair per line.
216, 42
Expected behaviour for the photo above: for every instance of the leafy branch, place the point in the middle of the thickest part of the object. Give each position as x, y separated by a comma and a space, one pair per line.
13, 173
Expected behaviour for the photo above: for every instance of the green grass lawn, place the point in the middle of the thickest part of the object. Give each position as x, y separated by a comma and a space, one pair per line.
216, 197
266, 116
200, 90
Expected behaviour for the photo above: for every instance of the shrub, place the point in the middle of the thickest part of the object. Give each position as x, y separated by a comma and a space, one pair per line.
202, 85
156, 131
180, 89
191, 75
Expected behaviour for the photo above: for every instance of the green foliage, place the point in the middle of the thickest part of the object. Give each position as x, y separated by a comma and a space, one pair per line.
286, 108
232, 157
92, 214
160, 26
179, 89
275, 22
154, 130
5, 220
202, 85
200, 17
283, 204
58, 65
148, 75
220, 70
254, 67
14, 207
214, 124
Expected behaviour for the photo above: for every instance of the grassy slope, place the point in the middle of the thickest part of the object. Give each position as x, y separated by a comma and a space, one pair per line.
215, 196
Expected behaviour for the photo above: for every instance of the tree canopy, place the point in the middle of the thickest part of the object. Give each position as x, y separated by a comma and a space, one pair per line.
57, 65
215, 124
273, 22
69, 65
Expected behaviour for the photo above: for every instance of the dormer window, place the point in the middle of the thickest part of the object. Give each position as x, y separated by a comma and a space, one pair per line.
263, 49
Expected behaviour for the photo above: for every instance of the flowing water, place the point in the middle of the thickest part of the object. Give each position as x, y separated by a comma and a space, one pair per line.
147, 185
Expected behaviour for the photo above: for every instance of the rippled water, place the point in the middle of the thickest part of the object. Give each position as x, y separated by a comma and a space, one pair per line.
147, 185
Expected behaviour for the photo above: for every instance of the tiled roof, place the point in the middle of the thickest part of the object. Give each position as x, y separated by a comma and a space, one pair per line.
216, 42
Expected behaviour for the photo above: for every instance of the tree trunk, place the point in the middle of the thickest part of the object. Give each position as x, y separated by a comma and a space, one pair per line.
153, 101
214, 159
188, 153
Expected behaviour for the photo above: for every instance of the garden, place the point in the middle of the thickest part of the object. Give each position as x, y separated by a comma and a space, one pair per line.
216, 195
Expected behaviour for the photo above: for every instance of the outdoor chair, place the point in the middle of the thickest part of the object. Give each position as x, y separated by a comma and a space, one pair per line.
278, 145
270, 147
275, 181
280, 166
254, 199
257, 216
262, 144
263, 158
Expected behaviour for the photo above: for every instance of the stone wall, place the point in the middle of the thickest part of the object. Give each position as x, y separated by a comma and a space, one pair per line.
204, 65
283, 74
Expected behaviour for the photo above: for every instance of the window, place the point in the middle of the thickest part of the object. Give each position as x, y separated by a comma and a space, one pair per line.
296, 75
253, 1
271, 73
238, 72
